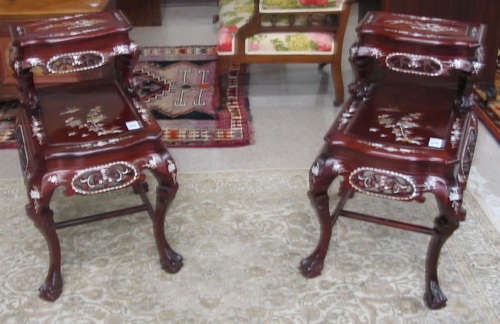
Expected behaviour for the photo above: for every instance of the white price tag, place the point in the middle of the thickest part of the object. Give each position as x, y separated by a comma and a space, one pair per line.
133, 125
435, 142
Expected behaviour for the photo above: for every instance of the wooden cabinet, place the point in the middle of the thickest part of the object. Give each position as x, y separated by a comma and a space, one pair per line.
140, 12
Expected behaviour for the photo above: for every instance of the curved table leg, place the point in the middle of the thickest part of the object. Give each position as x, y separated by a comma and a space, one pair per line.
444, 226
43, 218
170, 260
321, 176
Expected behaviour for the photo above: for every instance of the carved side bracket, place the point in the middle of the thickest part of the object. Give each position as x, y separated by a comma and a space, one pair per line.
468, 152
23, 154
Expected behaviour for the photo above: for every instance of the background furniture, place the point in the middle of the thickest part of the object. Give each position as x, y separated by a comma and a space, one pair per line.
482, 11
254, 31
12, 11
90, 136
140, 12
405, 131
190, 2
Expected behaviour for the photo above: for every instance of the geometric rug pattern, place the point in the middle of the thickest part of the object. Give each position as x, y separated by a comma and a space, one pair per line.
8, 113
242, 236
179, 89
180, 85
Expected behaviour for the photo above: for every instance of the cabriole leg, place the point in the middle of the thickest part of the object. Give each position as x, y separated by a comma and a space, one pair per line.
321, 176
43, 218
444, 226
165, 194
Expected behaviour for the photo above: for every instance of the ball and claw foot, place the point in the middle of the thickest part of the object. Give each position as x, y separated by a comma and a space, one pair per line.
172, 263
311, 266
434, 297
51, 288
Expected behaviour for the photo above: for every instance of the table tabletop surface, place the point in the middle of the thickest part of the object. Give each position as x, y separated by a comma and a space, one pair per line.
424, 30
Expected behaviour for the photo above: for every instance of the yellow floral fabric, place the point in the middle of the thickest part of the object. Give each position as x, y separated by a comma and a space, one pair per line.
299, 5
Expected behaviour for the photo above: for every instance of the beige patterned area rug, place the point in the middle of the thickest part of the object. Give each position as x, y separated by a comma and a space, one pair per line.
242, 236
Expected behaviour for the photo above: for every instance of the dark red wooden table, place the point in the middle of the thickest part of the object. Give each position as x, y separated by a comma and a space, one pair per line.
89, 136
407, 130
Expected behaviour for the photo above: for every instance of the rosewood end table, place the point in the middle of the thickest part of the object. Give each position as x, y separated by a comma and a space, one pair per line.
407, 130
91, 136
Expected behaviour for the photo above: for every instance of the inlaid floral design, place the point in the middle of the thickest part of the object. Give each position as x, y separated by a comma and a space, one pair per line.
417, 25
403, 127
94, 123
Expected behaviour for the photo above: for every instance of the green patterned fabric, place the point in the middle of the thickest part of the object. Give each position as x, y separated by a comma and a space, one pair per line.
298, 5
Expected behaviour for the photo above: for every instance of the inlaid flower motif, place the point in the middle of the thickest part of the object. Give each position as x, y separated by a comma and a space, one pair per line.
402, 128
35, 194
93, 123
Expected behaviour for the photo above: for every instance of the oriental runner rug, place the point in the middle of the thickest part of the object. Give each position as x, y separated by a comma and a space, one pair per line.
8, 111
180, 86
